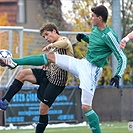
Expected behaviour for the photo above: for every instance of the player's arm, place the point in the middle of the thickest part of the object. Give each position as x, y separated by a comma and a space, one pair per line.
63, 42
113, 43
82, 36
126, 39
130, 35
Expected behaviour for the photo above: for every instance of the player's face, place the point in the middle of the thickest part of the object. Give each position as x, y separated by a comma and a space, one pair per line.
95, 20
50, 36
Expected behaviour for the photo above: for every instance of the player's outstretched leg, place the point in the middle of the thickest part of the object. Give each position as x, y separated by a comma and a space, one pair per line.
35, 60
8, 62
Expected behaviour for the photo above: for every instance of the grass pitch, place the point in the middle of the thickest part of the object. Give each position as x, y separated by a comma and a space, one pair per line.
121, 127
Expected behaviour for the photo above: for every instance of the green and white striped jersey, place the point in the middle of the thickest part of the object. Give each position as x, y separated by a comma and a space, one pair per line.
101, 43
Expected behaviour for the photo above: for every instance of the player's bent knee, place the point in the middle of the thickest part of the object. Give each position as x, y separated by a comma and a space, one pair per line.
44, 108
20, 74
86, 107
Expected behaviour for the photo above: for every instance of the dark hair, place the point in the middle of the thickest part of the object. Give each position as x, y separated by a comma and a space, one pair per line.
49, 27
101, 11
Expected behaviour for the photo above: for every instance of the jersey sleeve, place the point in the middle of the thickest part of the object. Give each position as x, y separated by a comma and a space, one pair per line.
86, 38
113, 43
63, 42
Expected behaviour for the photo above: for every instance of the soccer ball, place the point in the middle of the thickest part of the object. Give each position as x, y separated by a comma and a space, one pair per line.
5, 53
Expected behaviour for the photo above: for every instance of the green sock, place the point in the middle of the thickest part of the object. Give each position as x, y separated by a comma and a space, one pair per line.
35, 60
93, 121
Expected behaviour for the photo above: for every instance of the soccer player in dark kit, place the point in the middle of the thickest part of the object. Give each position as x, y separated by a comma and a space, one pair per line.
51, 80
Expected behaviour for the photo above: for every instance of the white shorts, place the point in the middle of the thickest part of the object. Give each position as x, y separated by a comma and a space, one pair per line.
87, 72
86, 98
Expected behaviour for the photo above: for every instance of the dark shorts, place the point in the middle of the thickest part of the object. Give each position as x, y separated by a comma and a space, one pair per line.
47, 92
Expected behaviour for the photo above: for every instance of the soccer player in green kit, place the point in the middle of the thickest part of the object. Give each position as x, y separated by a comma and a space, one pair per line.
101, 43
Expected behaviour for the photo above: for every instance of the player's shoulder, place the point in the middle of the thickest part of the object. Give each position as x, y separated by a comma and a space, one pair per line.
63, 38
111, 31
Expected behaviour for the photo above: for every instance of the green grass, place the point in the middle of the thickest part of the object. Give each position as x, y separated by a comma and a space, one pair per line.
105, 127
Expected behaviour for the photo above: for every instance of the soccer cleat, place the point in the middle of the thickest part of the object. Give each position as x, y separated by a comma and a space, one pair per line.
3, 106
8, 62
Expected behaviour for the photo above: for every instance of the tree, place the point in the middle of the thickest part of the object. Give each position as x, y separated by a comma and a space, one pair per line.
3, 20
51, 12
127, 26
127, 16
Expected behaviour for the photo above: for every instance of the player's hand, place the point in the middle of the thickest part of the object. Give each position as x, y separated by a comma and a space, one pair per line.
47, 47
44, 67
123, 43
79, 36
115, 81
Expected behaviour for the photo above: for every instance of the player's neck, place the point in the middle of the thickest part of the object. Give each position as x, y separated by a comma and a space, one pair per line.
56, 37
101, 26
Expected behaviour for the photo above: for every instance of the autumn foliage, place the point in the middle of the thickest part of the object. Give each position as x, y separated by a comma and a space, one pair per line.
3, 20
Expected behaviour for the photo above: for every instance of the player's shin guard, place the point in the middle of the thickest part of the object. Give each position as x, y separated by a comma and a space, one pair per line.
93, 121
43, 122
35, 60
13, 89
